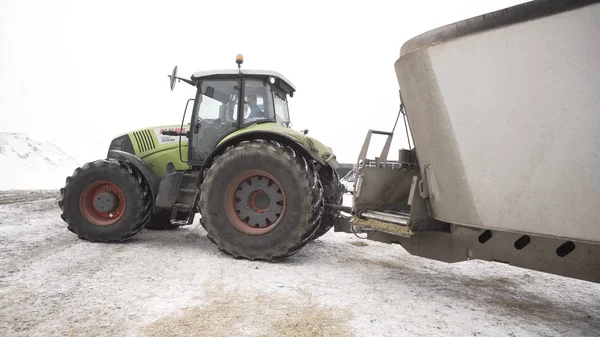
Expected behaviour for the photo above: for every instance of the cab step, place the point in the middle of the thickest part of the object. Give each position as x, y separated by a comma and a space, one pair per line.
182, 206
178, 192
184, 209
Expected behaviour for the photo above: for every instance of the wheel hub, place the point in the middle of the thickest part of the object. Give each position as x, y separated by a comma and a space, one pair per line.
259, 201
255, 202
102, 203
106, 202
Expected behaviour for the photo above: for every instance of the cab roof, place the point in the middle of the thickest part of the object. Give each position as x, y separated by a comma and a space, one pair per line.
253, 72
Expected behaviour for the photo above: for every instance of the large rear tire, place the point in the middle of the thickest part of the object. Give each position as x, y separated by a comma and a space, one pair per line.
105, 201
333, 194
260, 201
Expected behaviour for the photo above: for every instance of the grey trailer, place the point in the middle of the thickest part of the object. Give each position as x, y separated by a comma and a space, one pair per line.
503, 114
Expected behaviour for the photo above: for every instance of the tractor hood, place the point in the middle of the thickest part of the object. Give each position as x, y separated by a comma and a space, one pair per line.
141, 141
153, 148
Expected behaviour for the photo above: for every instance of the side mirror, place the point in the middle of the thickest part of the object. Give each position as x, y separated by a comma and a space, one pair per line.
173, 76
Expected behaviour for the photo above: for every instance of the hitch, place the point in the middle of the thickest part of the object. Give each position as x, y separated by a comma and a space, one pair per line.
346, 209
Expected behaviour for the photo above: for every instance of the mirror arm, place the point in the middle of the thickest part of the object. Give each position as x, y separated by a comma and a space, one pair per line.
190, 82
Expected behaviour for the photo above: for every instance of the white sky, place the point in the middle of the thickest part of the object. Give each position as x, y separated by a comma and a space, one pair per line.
80, 72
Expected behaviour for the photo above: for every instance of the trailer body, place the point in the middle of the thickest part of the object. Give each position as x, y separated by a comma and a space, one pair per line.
503, 112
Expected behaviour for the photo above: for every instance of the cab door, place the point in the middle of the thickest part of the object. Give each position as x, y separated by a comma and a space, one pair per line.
217, 116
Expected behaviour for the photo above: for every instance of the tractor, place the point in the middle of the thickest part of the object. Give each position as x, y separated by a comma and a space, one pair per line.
260, 187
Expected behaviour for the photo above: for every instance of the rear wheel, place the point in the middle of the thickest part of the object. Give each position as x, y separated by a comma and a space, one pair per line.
260, 201
105, 200
333, 194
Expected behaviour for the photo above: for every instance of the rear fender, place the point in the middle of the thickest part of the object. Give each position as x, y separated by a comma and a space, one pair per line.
278, 137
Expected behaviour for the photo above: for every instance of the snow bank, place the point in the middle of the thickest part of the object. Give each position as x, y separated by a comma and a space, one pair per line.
29, 164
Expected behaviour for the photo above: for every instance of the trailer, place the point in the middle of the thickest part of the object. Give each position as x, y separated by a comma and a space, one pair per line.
502, 110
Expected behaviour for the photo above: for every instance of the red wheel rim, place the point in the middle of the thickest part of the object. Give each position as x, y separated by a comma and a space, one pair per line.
255, 202
102, 203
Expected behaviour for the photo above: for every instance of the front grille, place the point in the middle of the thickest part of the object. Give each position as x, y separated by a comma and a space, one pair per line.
144, 140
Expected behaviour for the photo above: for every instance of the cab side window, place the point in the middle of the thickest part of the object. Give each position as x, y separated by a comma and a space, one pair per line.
219, 101
282, 115
258, 104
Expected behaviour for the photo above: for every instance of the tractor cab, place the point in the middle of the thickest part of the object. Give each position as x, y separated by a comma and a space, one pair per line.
228, 100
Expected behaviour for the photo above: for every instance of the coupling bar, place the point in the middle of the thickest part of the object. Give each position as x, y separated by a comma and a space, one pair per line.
346, 209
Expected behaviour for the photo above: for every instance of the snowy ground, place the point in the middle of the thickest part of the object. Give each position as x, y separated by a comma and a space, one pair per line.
176, 283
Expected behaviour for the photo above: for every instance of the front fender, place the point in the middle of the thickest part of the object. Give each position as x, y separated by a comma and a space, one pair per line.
262, 134
147, 172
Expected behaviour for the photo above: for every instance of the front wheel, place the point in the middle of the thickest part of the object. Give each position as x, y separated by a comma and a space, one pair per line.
105, 200
260, 201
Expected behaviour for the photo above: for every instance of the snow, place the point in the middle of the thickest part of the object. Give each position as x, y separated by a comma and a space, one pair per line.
30, 164
176, 283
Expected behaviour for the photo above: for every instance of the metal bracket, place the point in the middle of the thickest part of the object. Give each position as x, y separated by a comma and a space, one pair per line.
423, 185
411, 194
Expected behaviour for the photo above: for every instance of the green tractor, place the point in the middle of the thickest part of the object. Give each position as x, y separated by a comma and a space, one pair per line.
263, 190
